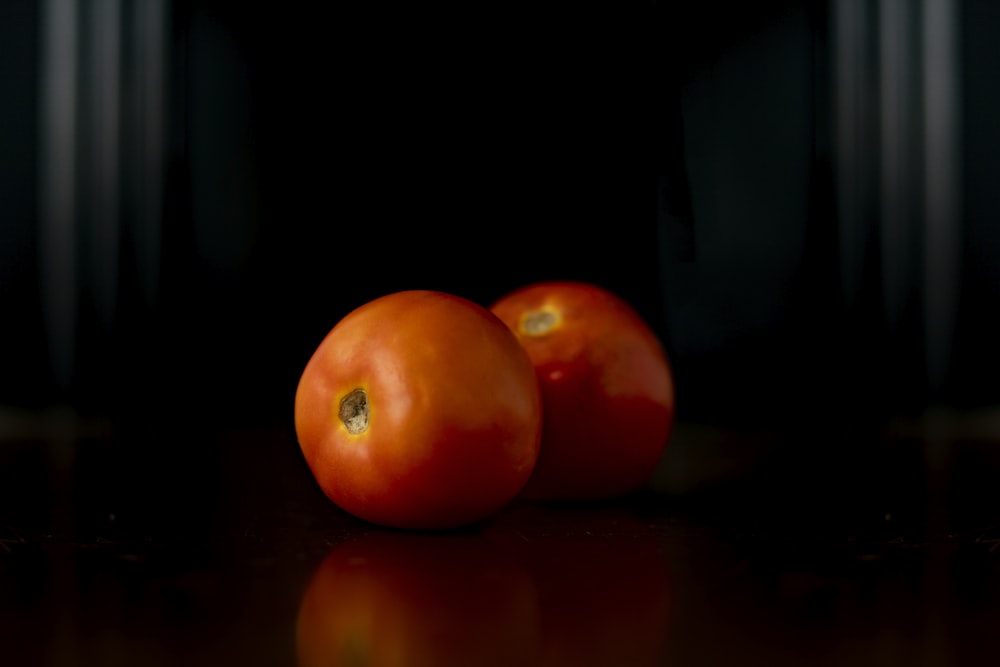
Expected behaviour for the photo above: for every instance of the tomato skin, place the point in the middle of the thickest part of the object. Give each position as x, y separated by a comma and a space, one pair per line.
454, 412
607, 389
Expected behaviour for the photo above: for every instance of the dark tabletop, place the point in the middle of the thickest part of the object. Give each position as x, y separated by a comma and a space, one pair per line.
168, 544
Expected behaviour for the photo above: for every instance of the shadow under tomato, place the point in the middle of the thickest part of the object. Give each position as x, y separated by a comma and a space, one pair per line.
401, 598
602, 581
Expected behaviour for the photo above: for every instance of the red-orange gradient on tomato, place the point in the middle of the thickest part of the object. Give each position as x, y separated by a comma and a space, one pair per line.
419, 410
421, 600
607, 389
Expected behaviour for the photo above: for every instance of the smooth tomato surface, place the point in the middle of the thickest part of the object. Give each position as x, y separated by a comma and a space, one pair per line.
419, 410
607, 389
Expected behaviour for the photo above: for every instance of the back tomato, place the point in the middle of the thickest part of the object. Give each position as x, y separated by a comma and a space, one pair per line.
419, 410
607, 389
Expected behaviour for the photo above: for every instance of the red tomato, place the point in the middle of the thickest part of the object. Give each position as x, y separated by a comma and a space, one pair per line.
419, 410
607, 389
403, 598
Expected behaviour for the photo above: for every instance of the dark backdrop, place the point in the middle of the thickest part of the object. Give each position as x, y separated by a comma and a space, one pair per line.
315, 157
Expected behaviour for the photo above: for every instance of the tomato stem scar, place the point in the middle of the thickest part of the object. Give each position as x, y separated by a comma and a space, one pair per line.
354, 411
539, 322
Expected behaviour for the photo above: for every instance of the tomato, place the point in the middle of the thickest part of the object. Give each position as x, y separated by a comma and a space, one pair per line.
607, 389
405, 598
419, 410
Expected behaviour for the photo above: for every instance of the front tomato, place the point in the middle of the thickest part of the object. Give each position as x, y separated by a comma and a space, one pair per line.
607, 389
419, 410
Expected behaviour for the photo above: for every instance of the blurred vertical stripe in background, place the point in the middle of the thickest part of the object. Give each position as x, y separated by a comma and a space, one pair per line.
898, 153
943, 134
856, 134
57, 204
101, 163
148, 150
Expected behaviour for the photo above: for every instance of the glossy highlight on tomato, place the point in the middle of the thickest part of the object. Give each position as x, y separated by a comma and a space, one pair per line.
419, 410
607, 389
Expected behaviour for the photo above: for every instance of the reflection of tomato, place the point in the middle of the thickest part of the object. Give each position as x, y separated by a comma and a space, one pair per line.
607, 389
419, 410
603, 584
416, 599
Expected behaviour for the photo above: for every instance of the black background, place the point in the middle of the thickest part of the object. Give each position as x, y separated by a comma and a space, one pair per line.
322, 157
318, 157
